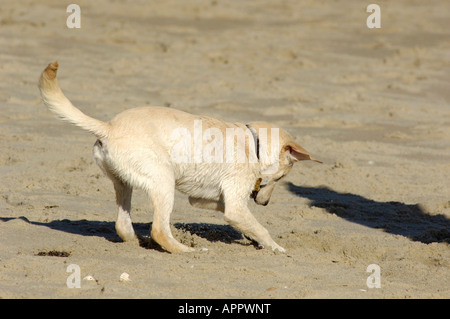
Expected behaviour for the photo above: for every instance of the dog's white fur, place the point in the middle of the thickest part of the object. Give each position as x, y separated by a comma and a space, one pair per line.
133, 150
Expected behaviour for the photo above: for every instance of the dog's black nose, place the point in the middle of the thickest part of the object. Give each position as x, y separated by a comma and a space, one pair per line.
265, 203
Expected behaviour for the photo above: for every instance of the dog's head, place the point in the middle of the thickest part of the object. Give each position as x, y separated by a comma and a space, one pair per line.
277, 152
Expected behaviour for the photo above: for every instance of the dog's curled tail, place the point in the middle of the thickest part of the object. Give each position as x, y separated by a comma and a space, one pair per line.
58, 103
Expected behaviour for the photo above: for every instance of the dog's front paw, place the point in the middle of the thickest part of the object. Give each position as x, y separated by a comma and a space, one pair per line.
277, 248
274, 246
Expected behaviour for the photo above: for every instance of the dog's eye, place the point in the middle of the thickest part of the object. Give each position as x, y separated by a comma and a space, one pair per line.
277, 179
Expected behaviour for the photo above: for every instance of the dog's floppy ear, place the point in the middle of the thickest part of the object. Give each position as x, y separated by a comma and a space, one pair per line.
297, 153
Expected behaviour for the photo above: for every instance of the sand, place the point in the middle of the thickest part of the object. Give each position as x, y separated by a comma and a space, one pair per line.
372, 104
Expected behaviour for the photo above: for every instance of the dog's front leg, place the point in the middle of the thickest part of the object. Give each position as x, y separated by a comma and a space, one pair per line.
239, 216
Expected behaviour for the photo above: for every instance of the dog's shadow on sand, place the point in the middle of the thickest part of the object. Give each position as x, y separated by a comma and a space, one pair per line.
397, 218
106, 229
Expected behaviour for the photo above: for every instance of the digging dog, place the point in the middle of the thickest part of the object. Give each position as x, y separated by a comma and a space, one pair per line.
135, 150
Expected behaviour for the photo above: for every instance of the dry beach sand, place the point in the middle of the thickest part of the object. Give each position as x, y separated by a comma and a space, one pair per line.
372, 104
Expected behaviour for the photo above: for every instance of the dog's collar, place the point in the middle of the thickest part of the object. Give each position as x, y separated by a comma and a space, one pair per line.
256, 138
257, 187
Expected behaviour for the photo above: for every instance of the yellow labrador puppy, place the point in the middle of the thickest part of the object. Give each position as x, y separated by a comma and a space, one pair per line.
160, 149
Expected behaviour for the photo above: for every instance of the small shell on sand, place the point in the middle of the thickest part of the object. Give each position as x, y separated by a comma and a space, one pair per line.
124, 277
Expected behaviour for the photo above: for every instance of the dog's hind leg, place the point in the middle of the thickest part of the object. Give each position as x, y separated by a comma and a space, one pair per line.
124, 226
162, 196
